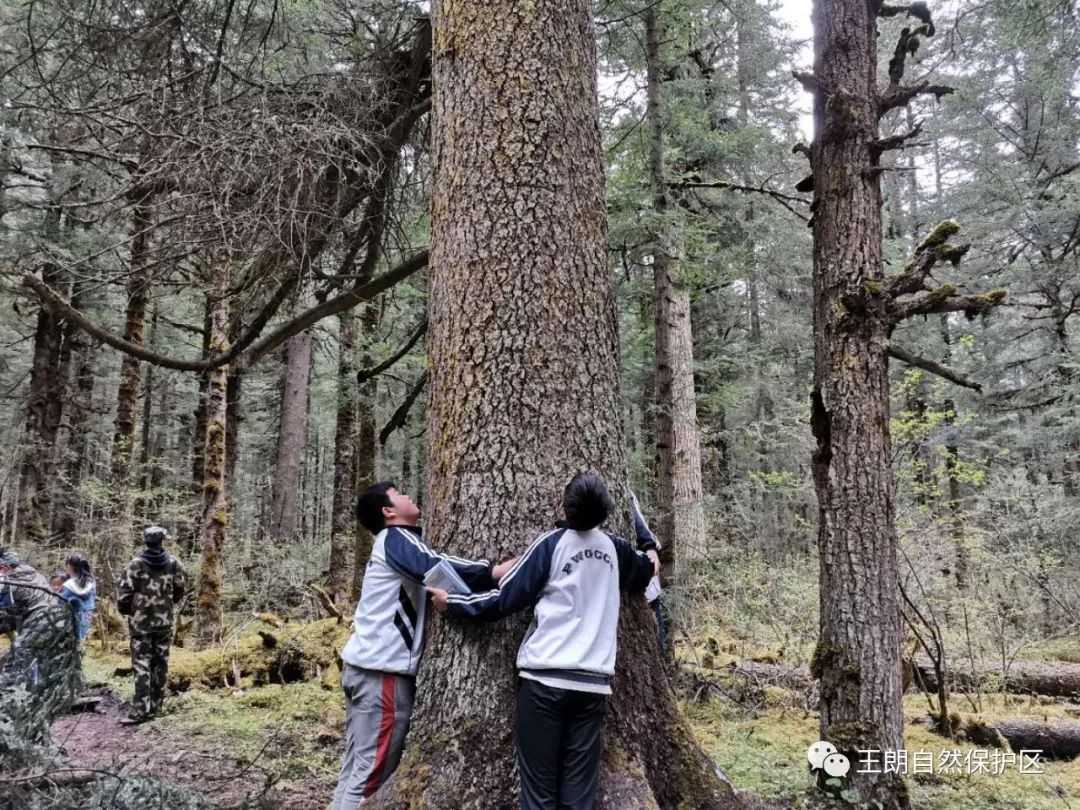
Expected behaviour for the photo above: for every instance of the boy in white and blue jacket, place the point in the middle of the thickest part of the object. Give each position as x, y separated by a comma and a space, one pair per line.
571, 577
383, 653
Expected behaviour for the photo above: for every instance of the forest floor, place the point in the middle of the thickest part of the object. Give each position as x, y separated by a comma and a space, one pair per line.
284, 741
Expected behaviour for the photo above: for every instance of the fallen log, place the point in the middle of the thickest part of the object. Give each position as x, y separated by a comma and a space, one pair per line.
797, 678
1038, 677
1056, 739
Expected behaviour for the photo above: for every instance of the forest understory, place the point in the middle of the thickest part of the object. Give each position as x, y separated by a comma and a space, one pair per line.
234, 736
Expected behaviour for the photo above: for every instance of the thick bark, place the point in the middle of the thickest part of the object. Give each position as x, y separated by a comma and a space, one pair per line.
292, 438
42, 423
366, 448
1025, 677
523, 359
1053, 739
342, 528
678, 448
858, 654
215, 505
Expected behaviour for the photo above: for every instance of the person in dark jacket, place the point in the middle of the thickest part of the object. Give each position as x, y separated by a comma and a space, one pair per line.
571, 577
44, 657
149, 590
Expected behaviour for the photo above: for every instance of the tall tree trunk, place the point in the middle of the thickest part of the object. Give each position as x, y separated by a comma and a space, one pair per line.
523, 359
215, 504
366, 446
189, 528
127, 395
955, 506
233, 408
342, 528
42, 417
292, 438
145, 504
682, 522
79, 408
857, 658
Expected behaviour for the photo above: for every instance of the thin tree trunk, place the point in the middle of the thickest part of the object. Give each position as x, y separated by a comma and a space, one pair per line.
366, 447
234, 409
343, 529
81, 403
127, 395
146, 424
188, 530
292, 438
955, 506
523, 390
215, 504
682, 523
857, 658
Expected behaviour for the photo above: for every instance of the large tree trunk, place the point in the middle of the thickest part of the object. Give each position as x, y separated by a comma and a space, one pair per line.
292, 438
42, 420
678, 447
858, 654
523, 392
342, 528
215, 505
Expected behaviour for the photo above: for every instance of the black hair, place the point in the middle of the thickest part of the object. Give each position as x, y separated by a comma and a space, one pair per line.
370, 504
83, 574
586, 502
58, 574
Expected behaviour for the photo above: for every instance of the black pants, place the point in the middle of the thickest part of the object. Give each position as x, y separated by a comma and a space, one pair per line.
558, 746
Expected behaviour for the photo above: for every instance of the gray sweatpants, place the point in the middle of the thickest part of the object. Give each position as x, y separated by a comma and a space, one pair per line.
378, 708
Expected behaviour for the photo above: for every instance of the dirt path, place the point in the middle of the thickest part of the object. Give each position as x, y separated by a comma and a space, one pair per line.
95, 740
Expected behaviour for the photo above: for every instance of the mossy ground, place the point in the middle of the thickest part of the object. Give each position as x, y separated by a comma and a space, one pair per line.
295, 730
766, 755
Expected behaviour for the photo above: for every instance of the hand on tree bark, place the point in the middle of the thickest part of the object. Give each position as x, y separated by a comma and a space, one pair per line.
438, 599
655, 560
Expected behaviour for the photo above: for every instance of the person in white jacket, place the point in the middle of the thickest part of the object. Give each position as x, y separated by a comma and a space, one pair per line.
383, 654
571, 577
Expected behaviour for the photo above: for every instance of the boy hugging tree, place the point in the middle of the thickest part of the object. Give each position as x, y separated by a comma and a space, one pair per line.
382, 655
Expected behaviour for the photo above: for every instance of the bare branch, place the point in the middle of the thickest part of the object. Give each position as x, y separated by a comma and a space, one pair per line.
340, 303
397, 420
901, 95
882, 145
365, 374
746, 189
934, 368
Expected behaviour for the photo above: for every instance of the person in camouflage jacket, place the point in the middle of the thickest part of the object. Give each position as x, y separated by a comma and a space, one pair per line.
44, 658
149, 590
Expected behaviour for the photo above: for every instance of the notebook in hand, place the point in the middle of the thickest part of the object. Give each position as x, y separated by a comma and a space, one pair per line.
444, 577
